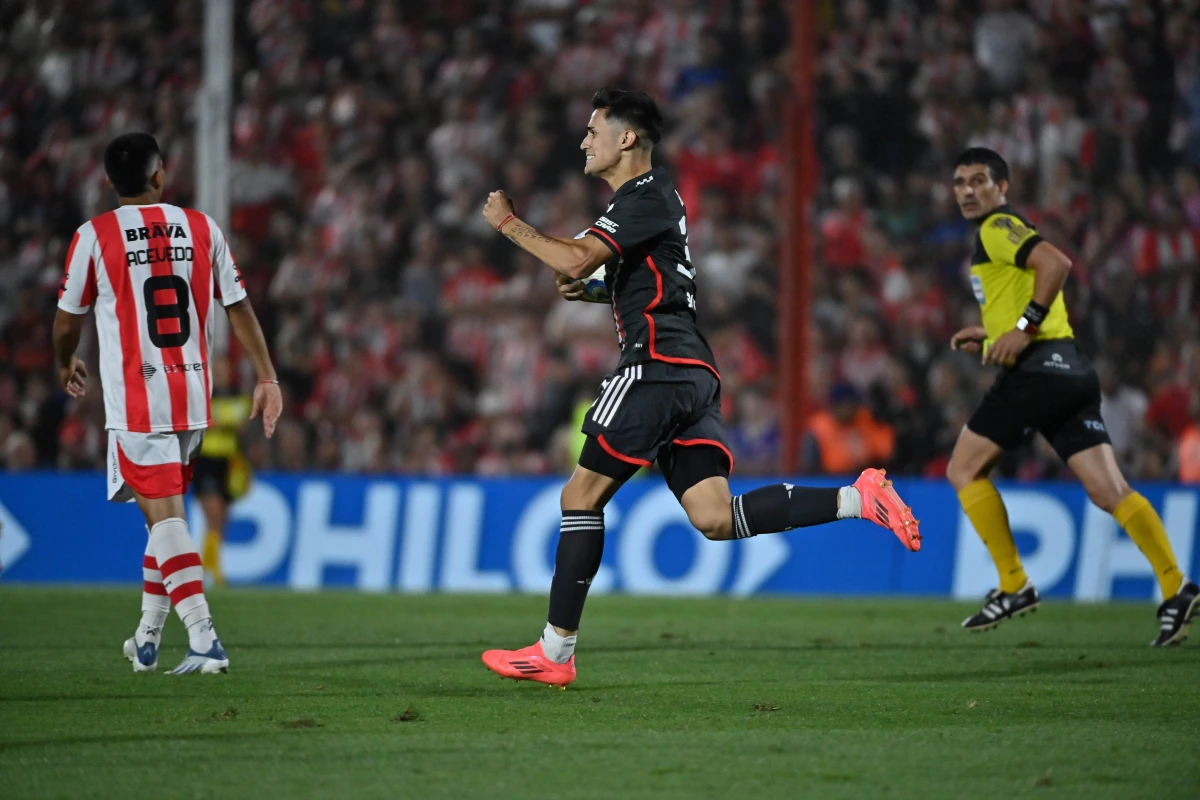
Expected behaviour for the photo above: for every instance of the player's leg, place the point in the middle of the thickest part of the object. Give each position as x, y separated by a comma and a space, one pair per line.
155, 470
697, 464
1097, 469
213, 500
142, 648
551, 659
996, 426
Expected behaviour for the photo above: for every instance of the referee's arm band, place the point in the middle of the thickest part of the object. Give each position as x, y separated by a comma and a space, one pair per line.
1026, 248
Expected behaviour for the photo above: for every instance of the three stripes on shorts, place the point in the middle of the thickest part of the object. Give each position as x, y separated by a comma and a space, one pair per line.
604, 410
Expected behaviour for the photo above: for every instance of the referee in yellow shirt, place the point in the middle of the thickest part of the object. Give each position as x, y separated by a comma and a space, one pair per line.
1045, 385
221, 473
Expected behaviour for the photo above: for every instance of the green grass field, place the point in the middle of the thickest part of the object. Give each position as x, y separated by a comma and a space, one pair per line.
347, 695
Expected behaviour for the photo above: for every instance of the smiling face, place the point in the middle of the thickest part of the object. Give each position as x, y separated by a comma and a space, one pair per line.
603, 144
977, 194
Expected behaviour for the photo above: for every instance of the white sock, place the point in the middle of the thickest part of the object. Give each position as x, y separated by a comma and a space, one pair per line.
183, 578
555, 647
156, 605
849, 503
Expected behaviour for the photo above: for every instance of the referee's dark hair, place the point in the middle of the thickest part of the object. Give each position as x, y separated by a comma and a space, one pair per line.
635, 109
976, 156
130, 160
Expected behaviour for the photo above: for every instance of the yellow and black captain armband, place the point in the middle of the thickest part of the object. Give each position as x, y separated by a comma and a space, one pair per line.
1008, 239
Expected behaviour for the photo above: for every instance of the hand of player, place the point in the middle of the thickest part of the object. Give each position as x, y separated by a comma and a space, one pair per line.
1004, 351
498, 207
968, 340
72, 378
568, 287
268, 401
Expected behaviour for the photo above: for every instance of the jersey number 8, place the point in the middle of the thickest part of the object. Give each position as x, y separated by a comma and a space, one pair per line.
167, 304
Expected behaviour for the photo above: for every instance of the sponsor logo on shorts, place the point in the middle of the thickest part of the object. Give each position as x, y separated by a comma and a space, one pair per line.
1095, 425
1056, 362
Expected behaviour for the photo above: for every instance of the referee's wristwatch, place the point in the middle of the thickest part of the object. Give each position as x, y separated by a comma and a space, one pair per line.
1031, 320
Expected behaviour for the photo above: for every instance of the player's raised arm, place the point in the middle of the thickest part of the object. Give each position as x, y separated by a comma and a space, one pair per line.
575, 258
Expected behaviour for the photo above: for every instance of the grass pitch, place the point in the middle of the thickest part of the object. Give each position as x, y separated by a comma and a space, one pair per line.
347, 696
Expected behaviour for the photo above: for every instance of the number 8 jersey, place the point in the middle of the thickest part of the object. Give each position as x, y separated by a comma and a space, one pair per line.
152, 273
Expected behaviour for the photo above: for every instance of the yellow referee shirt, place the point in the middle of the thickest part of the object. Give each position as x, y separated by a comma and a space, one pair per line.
1002, 284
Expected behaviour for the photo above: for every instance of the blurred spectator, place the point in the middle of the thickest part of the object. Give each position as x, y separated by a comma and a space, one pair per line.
846, 437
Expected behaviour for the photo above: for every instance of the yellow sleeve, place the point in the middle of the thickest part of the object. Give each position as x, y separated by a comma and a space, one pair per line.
1007, 239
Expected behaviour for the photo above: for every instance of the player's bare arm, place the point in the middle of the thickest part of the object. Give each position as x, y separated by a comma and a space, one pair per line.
1050, 267
267, 399
573, 258
72, 373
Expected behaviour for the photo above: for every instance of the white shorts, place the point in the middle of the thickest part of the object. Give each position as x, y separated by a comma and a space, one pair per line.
152, 464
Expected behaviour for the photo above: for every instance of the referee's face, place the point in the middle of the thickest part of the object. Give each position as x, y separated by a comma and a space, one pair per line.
977, 194
602, 145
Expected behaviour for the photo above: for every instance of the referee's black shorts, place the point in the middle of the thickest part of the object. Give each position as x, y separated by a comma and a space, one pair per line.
1054, 391
658, 412
211, 476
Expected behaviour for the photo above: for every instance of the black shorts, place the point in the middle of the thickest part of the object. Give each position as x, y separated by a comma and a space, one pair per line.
1052, 391
658, 412
211, 476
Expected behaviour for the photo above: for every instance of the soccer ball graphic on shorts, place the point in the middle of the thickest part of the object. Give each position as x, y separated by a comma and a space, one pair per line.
594, 288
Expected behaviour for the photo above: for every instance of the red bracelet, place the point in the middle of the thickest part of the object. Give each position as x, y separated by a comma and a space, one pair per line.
503, 222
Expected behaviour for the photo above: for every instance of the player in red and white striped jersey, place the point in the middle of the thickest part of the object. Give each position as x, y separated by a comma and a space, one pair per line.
152, 270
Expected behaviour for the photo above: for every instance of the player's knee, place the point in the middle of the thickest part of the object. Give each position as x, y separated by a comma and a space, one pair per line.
716, 523
1109, 494
960, 475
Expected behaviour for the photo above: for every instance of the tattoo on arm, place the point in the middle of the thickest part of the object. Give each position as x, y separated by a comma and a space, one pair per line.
517, 230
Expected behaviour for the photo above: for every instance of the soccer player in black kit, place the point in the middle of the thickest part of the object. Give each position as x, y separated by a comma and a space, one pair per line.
663, 402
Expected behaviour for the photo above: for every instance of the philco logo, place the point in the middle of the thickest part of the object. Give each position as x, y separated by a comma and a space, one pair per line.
148, 371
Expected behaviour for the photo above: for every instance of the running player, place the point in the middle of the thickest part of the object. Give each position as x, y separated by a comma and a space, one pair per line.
152, 271
1045, 384
663, 402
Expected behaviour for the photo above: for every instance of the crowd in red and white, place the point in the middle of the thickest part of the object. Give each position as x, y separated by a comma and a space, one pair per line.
410, 337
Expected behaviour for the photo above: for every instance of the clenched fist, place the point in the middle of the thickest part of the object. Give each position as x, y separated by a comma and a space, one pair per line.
498, 208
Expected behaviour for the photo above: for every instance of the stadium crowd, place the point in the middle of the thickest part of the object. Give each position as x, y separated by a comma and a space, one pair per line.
410, 337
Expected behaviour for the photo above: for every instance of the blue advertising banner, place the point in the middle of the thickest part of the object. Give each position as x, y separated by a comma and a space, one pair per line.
469, 535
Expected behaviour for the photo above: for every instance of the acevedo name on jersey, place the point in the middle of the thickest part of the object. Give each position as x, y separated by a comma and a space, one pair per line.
152, 273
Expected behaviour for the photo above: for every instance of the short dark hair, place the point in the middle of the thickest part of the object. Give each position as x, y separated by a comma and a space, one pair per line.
130, 160
635, 109
982, 156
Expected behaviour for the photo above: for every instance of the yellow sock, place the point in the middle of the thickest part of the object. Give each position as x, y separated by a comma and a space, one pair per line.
211, 557
1142, 523
985, 509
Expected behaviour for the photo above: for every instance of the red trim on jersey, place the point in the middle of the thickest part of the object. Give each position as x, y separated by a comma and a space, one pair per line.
181, 561
156, 220
154, 588
154, 481
654, 354
608, 448
112, 253
149, 562
608, 239
204, 287
89, 287
709, 442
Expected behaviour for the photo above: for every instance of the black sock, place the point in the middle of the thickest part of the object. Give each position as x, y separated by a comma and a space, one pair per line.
580, 546
782, 507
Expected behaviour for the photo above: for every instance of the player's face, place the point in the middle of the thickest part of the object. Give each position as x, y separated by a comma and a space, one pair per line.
602, 145
977, 194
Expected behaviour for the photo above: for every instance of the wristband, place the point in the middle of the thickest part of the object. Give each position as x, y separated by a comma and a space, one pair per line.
260, 383
1027, 327
503, 222
1035, 313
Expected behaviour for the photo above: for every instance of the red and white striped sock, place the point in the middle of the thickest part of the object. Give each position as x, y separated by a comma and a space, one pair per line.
183, 578
156, 605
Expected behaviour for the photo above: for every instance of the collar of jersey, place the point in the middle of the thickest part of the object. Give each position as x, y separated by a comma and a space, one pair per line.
1004, 209
632, 182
